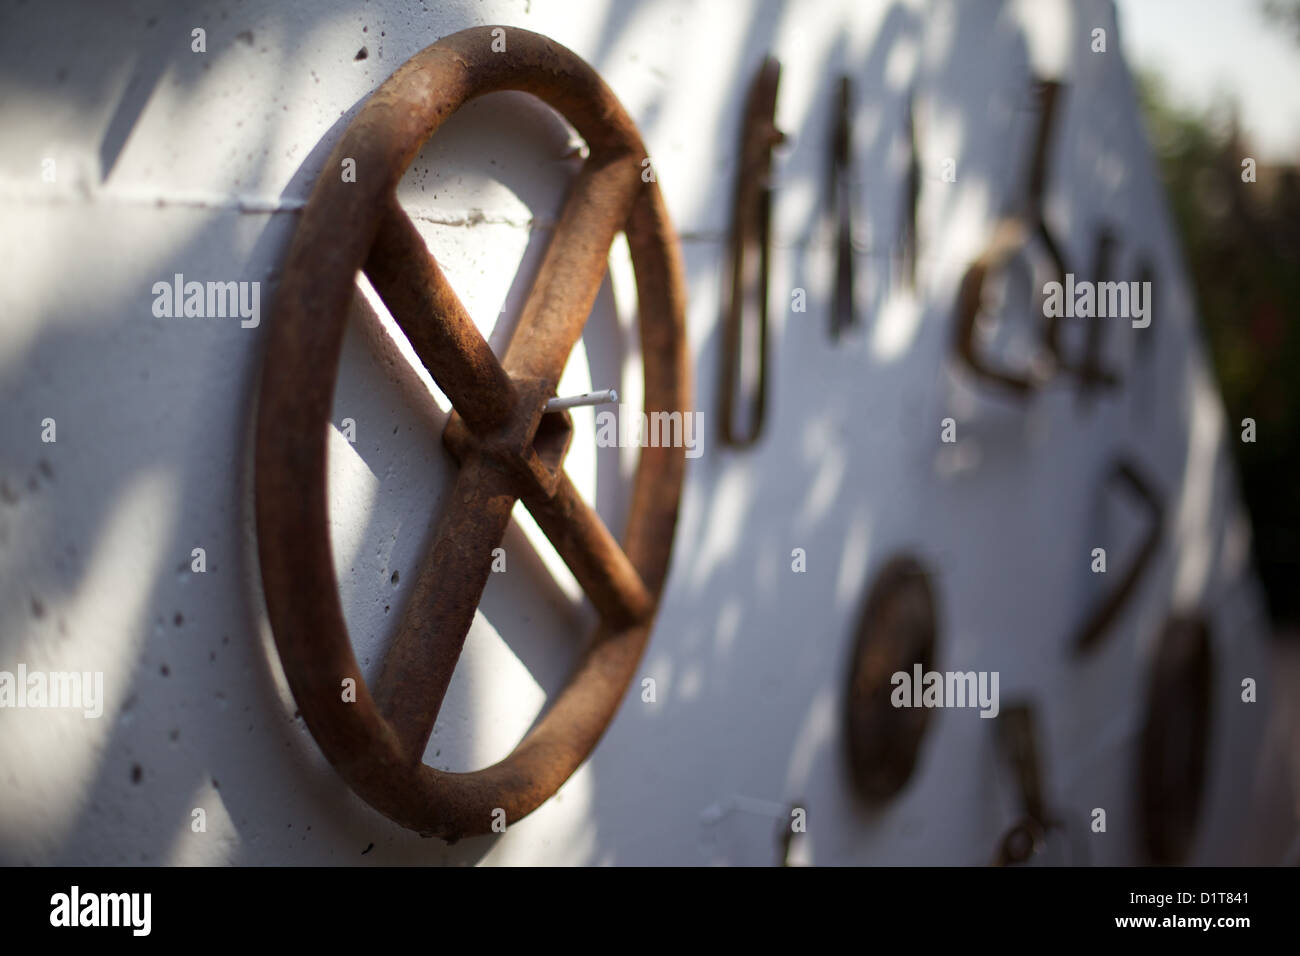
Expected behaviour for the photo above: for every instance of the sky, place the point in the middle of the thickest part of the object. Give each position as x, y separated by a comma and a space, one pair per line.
1202, 47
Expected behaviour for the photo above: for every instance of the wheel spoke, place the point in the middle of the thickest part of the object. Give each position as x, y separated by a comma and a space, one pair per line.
573, 268
419, 664
432, 317
593, 555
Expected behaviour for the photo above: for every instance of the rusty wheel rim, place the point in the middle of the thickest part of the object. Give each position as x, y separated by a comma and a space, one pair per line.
507, 448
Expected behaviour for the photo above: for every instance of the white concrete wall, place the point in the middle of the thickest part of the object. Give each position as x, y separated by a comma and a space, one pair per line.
170, 161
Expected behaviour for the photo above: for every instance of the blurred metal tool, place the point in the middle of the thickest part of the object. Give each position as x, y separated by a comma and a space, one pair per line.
1145, 374
1013, 236
744, 320
897, 630
911, 198
1092, 374
1103, 617
1173, 751
843, 315
1089, 369
1017, 735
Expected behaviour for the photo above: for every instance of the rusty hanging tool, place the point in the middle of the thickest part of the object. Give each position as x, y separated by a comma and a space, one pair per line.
911, 198
1145, 375
1017, 735
1102, 618
843, 313
1012, 236
1093, 374
1146, 279
745, 318
1089, 369
508, 446
1174, 747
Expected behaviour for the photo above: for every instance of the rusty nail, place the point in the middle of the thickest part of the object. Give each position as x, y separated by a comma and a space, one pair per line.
577, 401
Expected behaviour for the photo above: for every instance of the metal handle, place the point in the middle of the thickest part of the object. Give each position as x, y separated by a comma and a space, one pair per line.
750, 238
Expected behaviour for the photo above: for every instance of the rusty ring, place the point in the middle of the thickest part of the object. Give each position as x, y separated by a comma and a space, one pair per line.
506, 446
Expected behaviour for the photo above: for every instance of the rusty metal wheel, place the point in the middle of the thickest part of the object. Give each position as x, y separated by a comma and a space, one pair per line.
507, 446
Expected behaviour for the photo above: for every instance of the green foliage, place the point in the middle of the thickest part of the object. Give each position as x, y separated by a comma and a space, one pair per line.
1241, 242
